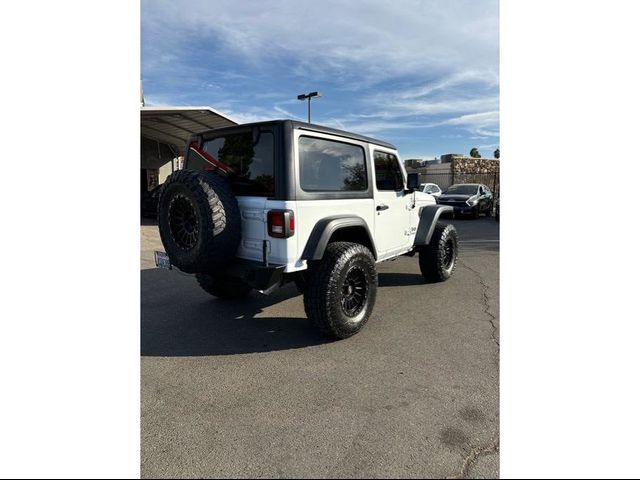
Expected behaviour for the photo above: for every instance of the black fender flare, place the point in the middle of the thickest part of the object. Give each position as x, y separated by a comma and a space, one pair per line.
429, 215
326, 227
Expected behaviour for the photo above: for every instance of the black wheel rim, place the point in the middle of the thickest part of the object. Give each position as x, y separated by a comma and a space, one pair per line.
354, 292
448, 254
183, 222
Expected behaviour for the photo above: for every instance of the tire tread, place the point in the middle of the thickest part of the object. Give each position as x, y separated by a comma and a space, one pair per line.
221, 221
431, 256
323, 284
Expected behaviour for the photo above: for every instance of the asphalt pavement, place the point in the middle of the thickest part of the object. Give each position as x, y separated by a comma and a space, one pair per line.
250, 389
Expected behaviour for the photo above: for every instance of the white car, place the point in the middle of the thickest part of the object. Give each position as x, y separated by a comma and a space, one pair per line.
431, 189
263, 204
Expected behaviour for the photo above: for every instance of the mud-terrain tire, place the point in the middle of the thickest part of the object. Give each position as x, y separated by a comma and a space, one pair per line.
199, 220
438, 260
341, 293
223, 286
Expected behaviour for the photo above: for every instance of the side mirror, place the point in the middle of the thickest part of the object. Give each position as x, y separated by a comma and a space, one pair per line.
413, 181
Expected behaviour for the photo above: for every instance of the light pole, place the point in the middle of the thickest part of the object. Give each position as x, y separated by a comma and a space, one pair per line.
308, 97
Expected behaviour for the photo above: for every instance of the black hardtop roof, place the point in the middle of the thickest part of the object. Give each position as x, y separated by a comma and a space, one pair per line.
312, 127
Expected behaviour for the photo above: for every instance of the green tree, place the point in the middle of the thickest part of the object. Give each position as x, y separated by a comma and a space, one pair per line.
496, 154
356, 179
475, 153
265, 181
238, 153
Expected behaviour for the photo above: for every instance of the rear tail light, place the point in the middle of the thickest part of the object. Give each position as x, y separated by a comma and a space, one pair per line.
281, 223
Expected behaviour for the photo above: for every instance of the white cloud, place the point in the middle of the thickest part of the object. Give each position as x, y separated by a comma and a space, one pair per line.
490, 145
410, 64
487, 133
419, 156
370, 128
158, 100
258, 114
343, 40
245, 117
286, 113
487, 77
483, 124
442, 106
475, 119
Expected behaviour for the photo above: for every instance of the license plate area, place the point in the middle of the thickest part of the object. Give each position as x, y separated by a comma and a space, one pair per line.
162, 260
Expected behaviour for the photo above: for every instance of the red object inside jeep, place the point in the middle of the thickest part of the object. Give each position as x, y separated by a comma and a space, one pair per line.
215, 164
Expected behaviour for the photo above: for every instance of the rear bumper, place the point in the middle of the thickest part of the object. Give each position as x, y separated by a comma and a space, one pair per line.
256, 274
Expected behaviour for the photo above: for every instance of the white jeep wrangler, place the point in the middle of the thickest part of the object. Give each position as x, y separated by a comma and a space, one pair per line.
262, 204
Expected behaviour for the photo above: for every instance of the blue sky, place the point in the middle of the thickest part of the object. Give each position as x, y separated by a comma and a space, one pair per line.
420, 74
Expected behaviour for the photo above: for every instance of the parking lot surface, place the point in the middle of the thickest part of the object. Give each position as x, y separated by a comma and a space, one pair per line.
250, 389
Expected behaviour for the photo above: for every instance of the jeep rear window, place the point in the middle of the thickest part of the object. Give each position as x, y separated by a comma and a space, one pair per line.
330, 166
252, 164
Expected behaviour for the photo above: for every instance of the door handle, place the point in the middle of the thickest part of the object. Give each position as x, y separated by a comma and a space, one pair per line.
382, 207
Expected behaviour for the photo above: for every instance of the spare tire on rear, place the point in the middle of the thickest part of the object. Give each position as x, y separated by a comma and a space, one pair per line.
199, 220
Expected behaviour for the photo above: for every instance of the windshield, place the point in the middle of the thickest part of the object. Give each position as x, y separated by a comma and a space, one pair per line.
462, 189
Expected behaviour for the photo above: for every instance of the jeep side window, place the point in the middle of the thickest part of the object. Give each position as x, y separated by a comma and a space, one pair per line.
330, 166
388, 173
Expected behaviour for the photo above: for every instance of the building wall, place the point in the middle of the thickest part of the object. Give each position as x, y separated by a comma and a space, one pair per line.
156, 161
475, 165
477, 170
450, 156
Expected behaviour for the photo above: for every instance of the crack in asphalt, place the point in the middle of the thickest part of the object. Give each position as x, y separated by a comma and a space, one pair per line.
485, 298
472, 458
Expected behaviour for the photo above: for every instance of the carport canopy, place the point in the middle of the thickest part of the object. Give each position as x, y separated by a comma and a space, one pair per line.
174, 125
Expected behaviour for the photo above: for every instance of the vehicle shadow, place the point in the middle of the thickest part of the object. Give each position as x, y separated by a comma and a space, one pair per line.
480, 247
395, 279
179, 320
